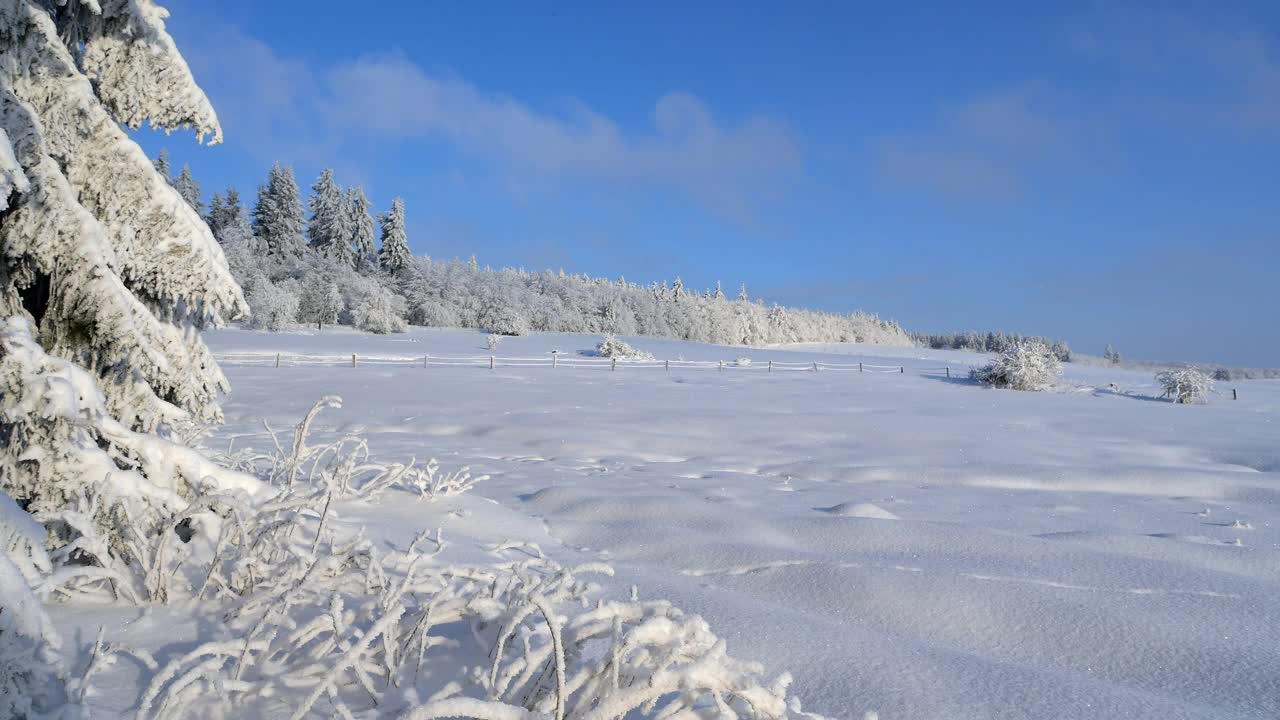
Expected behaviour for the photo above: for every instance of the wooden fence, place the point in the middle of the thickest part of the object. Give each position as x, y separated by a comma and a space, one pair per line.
555, 361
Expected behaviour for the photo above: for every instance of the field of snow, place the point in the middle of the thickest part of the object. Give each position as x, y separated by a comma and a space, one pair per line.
901, 542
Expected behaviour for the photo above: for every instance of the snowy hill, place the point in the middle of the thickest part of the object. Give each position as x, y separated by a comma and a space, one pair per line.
900, 542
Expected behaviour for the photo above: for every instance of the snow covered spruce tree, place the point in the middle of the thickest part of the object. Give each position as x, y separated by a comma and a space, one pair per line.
189, 189
394, 254
277, 218
106, 276
329, 229
360, 222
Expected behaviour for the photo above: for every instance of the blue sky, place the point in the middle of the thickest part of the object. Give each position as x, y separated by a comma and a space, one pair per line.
1093, 172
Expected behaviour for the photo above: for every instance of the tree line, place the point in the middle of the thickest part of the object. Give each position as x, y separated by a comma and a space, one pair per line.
319, 264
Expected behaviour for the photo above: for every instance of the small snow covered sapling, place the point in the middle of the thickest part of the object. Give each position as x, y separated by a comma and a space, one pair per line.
614, 347
1022, 366
493, 341
1185, 386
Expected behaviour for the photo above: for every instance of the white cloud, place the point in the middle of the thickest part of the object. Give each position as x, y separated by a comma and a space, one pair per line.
279, 108
728, 167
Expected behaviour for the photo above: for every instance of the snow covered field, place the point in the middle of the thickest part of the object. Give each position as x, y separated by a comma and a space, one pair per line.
902, 543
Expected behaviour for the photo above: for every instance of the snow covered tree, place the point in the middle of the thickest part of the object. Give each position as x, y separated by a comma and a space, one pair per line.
378, 310
394, 254
278, 218
360, 223
106, 274
320, 302
1110, 355
742, 293
329, 229
161, 164
1186, 386
189, 189
275, 306
1027, 365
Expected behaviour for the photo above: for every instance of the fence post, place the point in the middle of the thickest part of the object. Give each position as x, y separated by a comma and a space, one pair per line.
353, 359
721, 366
770, 366
613, 365
277, 359
815, 367
667, 364
1234, 396
902, 369
555, 358
948, 371
424, 361
490, 362
859, 367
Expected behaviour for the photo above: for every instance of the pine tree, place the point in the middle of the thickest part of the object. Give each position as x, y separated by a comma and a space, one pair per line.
189, 189
394, 254
106, 275
742, 293
161, 164
328, 230
719, 294
277, 218
217, 210
1110, 355
228, 219
360, 221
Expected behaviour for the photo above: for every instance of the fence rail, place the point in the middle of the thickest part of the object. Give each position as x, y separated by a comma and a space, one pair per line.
554, 361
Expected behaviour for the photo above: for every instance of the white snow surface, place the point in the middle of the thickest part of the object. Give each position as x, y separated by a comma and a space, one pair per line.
900, 542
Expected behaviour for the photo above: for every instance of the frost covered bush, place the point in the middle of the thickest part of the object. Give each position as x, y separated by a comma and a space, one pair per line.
492, 341
317, 621
273, 307
319, 303
378, 310
1026, 366
613, 347
1185, 386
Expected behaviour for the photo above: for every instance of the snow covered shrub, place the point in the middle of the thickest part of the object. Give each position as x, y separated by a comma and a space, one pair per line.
743, 362
322, 624
432, 312
614, 347
1028, 365
378, 310
1185, 386
273, 307
504, 320
320, 302
492, 341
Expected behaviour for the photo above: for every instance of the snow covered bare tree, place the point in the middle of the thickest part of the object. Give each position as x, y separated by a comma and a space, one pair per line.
106, 276
394, 254
329, 229
277, 218
320, 302
1186, 386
